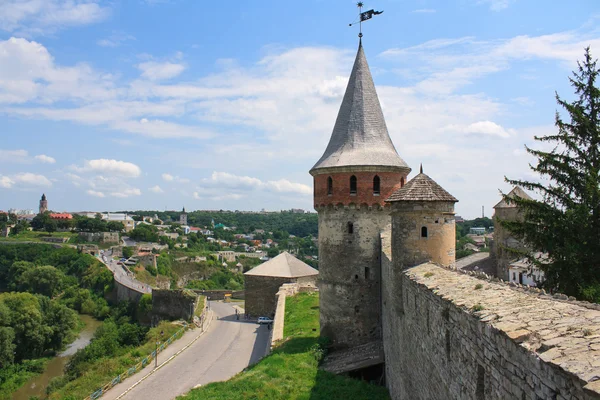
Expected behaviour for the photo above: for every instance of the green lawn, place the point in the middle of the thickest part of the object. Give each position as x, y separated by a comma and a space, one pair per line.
31, 236
291, 372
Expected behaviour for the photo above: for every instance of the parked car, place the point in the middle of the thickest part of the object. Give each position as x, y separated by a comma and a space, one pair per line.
264, 320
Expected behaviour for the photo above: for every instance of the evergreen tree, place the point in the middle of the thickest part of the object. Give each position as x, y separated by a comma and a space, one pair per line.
565, 223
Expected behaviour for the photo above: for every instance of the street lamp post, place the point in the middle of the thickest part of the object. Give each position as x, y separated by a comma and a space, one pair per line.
156, 351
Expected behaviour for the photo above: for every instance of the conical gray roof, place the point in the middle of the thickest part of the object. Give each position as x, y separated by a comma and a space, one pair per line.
284, 265
516, 192
360, 136
421, 188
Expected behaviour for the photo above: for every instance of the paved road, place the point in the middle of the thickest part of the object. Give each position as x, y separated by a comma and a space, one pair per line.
127, 241
227, 347
121, 274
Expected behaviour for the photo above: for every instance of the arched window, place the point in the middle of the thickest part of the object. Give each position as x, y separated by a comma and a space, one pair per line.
376, 185
401, 182
350, 227
353, 184
424, 232
329, 186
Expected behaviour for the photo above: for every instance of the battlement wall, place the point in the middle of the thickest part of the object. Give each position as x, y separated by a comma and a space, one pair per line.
451, 335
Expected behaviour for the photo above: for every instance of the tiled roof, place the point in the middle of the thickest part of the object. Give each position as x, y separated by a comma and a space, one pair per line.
421, 188
516, 192
284, 265
360, 136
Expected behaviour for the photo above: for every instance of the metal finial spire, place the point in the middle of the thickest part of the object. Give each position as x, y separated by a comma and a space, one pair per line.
363, 16
421, 171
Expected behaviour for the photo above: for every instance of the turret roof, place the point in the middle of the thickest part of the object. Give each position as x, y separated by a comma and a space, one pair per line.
516, 192
421, 188
284, 265
360, 136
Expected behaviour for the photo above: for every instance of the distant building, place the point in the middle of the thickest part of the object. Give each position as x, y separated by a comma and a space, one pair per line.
458, 219
477, 230
263, 282
61, 216
297, 211
18, 211
183, 217
525, 273
43, 204
125, 219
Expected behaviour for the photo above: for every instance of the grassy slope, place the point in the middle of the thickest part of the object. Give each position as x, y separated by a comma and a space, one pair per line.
290, 372
106, 368
31, 236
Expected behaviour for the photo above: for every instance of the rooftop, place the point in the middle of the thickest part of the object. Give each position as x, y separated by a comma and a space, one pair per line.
284, 265
421, 188
360, 136
516, 192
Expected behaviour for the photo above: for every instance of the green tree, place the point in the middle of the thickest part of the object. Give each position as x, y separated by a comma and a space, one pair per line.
50, 226
565, 223
39, 221
45, 280
115, 226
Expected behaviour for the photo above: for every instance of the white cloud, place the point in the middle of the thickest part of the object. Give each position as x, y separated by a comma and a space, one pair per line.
111, 167
47, 16
95, 193
156, 71
170, 178
6, 182
248, 183
496, 5
45, 159
13, 156
127, 193
29, 179
485, 128
115, 40
156, 189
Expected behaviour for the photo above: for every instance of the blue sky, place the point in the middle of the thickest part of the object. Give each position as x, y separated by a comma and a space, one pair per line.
111, 105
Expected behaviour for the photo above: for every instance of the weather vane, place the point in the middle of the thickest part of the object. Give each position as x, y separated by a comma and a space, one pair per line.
363, 16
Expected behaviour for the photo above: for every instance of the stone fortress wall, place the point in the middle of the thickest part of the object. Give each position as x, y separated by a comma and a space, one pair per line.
453, 336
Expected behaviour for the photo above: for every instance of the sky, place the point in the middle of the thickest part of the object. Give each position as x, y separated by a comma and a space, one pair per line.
160, 104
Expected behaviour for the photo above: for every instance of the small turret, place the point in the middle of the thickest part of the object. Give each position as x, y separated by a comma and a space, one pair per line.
423, 227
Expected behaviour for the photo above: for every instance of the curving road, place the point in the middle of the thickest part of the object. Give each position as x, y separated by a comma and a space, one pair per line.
121, 274
226, 348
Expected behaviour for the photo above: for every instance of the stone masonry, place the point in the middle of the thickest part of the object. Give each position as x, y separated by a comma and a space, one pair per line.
452, 336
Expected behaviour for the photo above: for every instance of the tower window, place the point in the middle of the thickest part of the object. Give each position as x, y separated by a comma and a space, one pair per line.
424, 232
367, 272
350, 228
329, 186
353, 184
401, 182
376, 185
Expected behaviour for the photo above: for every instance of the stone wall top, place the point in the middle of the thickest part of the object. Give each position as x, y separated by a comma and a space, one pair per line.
563, 334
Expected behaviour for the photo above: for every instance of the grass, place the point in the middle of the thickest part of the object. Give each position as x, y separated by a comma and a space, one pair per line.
291, 371
12, 377
31, 236
478, 286
200, 307
428, 274
105, 369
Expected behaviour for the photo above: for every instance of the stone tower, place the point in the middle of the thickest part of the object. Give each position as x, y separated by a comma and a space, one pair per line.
358, 171
503, 239
183, 217
43, 204
423, 227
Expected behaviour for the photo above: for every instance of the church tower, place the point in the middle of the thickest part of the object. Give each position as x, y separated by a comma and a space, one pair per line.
183, 217
43, 204
359, 170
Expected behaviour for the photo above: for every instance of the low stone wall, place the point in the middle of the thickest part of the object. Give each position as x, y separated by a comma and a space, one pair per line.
220, 294
125, 293
287, 289
173, 304
454, 336
100, 237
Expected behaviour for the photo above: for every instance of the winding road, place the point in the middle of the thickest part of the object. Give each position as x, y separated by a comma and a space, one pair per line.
226, 348
121, 275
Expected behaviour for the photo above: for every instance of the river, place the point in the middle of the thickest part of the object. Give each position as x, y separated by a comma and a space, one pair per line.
37, 385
